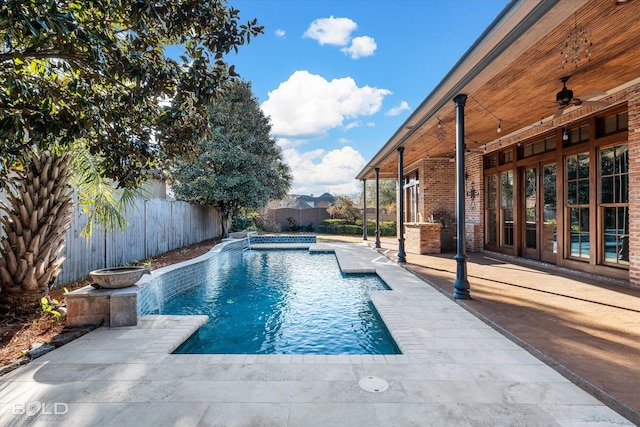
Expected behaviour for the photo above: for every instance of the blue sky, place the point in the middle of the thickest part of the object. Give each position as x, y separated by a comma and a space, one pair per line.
338, 78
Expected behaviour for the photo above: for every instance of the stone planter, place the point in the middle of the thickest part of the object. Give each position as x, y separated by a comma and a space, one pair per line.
117, 277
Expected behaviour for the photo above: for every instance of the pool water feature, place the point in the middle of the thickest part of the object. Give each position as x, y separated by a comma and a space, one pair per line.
283, 302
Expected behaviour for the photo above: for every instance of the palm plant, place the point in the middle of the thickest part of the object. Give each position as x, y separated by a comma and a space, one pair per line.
39, 208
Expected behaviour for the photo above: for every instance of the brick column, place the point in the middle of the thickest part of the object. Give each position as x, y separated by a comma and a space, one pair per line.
634, 187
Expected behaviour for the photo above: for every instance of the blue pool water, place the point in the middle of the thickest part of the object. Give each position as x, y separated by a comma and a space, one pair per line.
284, 302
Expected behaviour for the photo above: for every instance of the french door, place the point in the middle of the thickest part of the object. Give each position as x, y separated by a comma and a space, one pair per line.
538, 225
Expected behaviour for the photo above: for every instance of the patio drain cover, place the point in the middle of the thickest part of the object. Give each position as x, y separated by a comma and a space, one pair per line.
374, 384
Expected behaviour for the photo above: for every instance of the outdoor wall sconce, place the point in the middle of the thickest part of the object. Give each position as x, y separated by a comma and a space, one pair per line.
473, 193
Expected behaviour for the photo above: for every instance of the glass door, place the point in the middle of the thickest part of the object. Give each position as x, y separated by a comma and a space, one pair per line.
549, 201
530, 232
539, 225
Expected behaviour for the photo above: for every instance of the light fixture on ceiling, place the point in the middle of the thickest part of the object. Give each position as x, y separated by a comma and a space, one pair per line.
576, 45
499, 126
441, 132
621, 2
565, 134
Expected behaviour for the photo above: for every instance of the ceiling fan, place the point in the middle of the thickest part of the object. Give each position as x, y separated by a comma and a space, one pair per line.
565, 98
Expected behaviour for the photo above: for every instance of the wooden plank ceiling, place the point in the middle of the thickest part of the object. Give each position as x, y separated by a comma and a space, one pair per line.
524, 91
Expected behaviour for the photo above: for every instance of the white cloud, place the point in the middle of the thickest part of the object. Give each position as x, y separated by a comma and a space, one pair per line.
317, 171
395, 111
360, 47
352, 125
334, 31
308, 106
280, 33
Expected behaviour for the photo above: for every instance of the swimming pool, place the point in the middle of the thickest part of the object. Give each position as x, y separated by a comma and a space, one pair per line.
283, 302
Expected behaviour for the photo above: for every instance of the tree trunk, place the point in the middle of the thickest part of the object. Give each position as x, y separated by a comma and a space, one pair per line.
39, 214
225, 224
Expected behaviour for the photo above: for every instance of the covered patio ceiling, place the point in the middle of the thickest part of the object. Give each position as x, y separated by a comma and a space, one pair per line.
512, 74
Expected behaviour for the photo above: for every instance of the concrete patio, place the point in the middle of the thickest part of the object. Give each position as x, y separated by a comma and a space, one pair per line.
455, 370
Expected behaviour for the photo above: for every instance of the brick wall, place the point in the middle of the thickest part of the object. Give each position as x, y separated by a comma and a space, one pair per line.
634, 186
422, 238
474, 207
438, 188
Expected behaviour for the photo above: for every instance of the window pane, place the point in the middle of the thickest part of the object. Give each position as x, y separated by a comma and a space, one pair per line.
574, 219
574, 136
609, 220
549, 238
572, 193
492, 191
585, 248
583, 166
610, 249
607, 190
551, 143
584, 219
606, 161
623, 220
583, 192
507, 227
575, 244
584, 133
492, 231
621, 159
507, 189
610, 125
572, 168
538, 147
623, 120
622, 189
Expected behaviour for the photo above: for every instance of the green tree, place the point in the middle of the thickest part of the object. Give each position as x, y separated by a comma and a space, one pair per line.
343, 207
387, 189
239, 165
93, 77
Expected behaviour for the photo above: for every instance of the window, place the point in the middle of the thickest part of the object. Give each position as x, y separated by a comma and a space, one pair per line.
506, 157
577, 203
614, 203
412, 197
610, 125
490, 161
575, 136
538, 147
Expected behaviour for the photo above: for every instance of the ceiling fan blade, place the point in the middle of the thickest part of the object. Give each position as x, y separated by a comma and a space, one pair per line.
595, 103
559, 112
593, 95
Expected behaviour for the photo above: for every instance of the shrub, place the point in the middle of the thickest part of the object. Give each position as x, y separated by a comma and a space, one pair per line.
341, 226
240, 223
293, 224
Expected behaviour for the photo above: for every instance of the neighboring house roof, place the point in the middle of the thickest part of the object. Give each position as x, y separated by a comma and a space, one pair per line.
294, 204
303, 202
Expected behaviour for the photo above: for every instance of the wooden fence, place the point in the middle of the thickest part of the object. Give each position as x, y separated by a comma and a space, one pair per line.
155, 226
303, 217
